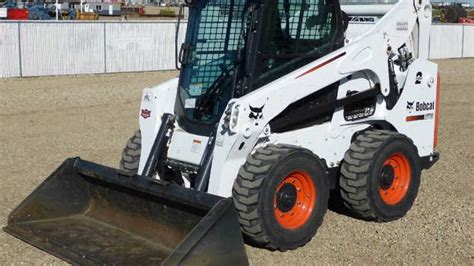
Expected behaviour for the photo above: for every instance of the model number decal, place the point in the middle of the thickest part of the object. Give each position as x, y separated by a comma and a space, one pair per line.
402, 26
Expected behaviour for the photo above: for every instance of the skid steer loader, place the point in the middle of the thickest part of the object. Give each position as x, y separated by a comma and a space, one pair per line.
273, 108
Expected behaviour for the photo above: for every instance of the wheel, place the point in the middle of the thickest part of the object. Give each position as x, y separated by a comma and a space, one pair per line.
281, 196
131, 159
131, 153
380, 175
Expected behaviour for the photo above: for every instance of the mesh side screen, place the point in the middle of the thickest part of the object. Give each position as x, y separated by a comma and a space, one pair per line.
216, 42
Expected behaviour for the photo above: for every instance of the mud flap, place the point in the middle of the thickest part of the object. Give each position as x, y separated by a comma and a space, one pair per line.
86, 213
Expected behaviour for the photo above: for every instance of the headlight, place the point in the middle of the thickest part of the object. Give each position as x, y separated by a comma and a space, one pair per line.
231, 118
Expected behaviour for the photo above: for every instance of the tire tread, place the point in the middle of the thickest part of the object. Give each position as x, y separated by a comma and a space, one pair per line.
354, 178
247, 187
131, 153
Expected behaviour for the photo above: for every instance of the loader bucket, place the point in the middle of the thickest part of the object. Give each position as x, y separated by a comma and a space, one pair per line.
86, 213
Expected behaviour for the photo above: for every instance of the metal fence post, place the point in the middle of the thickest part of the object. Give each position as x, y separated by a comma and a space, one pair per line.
462, 43
105, 47
19, 50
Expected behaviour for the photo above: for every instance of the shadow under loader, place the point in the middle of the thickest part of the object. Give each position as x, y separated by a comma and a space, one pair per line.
86, 213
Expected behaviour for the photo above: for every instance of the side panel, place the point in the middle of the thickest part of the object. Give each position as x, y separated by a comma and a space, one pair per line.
414, 114
155, 102
330, 141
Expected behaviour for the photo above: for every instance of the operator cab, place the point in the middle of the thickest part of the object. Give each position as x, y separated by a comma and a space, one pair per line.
233, 47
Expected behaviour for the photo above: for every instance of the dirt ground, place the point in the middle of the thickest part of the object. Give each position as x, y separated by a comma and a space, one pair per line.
45, 120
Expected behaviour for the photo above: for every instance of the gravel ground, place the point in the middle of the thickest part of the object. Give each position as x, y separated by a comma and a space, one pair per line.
44, 120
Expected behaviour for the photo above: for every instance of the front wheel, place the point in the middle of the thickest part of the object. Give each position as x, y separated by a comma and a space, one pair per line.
131, 153
281, 195
380, 175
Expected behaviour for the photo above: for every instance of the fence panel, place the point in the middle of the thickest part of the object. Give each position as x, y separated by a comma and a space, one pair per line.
446, 41
468, 45
9, 50
141, 46
59, 48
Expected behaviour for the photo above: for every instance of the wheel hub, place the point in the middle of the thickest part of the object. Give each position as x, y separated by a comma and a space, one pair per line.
294, 200
286, 197
394, 179
386, 177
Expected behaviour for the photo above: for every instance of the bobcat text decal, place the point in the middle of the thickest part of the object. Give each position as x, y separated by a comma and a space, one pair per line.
420, 106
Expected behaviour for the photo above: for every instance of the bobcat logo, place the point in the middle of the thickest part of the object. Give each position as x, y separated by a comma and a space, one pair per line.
145, 113
410, 106
256, 112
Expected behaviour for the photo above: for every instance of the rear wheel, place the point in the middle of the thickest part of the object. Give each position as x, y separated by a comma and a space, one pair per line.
281, 195
380, 175
131, 153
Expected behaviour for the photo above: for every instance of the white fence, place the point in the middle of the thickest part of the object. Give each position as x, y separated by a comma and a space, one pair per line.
59, 48
446, 40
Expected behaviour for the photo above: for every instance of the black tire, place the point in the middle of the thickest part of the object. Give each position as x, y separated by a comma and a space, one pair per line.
373, 185
131, 153
254, 195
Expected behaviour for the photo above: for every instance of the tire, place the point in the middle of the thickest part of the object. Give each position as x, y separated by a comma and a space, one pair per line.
131, 153
380, 175
266, 196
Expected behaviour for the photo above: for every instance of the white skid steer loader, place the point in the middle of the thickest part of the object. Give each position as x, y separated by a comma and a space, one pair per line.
273, 108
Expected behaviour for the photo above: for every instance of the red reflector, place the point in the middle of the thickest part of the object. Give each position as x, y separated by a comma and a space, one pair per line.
436, 125
415, 118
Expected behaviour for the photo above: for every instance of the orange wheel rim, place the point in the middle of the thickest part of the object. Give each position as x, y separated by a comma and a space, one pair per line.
395, 178
294, 200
